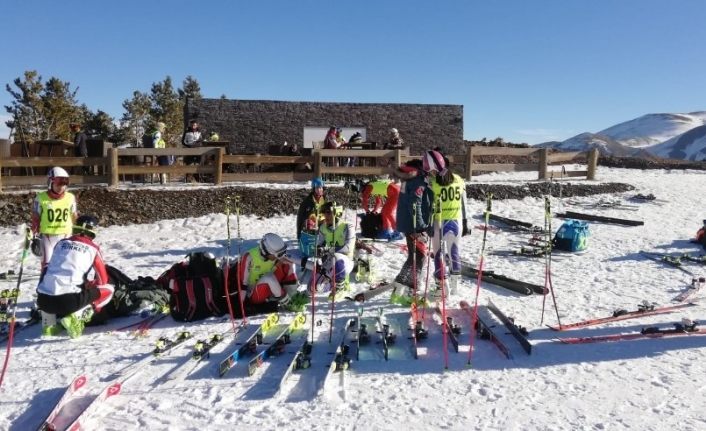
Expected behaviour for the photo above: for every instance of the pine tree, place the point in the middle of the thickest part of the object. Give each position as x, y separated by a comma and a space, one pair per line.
136, 119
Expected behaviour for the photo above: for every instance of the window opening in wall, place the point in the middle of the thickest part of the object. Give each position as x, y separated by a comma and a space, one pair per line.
314, 136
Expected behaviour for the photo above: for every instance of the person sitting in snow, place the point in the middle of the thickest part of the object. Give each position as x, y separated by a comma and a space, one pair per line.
336, 241
74, 283
265, 273
385, 193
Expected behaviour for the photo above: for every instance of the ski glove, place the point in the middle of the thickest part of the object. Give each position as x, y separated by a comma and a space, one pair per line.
466, 230
36, 247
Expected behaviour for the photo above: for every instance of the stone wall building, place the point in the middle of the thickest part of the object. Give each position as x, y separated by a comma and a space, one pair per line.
255, 126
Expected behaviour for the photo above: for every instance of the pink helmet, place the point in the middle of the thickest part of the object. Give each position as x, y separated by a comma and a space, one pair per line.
432, 160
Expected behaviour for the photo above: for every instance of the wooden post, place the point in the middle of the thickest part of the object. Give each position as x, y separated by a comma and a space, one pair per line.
592, 164
318, 163
398, 157
469, 163
113, 163
542, 168
218, 175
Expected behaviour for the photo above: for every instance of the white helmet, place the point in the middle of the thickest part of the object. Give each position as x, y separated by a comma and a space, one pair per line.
272, 244
394, 131
56, 172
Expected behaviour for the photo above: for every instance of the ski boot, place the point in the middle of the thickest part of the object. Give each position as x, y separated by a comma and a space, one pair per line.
50, 327
76, 321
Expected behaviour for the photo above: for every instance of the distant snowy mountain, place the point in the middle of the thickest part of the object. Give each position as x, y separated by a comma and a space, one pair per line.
652, 129
679, 136
690, 145
586, 141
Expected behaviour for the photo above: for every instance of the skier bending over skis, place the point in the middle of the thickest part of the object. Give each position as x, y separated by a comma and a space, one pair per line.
450, 222
65, 288
386, 191
265, 272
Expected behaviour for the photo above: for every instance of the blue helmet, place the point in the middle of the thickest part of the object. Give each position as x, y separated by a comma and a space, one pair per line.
317, 182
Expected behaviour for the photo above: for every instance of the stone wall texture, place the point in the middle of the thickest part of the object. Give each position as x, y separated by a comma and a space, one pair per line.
253, 126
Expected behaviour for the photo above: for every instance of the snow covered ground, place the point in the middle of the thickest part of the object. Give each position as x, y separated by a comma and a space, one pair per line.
652, 384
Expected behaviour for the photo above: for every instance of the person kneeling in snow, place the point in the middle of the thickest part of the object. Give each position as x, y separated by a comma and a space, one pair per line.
74, 283
265, 273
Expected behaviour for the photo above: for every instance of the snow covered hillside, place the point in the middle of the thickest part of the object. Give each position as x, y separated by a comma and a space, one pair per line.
655, 133
647, 384
690, 145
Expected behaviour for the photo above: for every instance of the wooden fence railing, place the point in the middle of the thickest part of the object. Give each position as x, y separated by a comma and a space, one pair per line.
541, 166
139, 162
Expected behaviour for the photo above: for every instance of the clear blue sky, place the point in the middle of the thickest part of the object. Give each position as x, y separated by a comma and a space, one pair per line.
527, 71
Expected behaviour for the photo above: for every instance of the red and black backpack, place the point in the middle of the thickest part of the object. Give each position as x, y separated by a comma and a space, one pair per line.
196, 288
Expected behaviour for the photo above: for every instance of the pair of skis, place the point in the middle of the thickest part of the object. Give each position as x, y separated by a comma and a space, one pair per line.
281, 339
381, 327
486, 331
249, 346
681, 329
642, 310
164, 345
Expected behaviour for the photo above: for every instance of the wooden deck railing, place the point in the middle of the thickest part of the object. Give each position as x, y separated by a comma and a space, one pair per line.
123, 162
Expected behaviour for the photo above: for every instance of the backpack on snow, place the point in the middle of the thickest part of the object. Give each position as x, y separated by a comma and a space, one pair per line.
571, 236
196, 288
131, 295
370, 225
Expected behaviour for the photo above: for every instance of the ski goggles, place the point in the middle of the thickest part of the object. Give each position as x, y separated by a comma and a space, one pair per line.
61, 181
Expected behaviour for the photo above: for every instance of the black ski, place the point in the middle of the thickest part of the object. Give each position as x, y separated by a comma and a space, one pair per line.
601, 219
453, 330
485, 331
491, 277
387, 337
515, 224
518, 332
373, 291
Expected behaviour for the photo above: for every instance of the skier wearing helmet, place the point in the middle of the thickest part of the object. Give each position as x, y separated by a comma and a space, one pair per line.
414, 210
337, 239
309, 214
53, 214
450, 220
265, 273
74, 284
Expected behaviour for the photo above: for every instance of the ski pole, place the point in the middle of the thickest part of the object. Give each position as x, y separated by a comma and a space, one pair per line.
479, 279
226, 271
12, 320
549, 254
314, 275
333, 275
240, 261
548, 285
546, 261
442, 286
